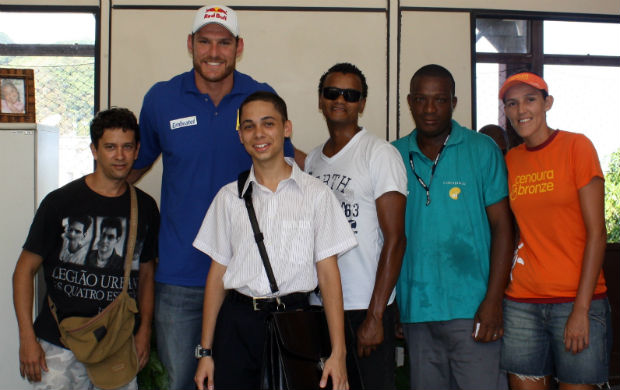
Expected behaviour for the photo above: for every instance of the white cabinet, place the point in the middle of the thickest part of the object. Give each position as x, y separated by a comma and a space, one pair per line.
28, 171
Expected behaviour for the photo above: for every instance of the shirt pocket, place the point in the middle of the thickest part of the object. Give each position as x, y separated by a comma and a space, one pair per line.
297, 245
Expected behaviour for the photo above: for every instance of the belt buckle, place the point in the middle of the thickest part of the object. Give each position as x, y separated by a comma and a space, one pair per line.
255, 302
280, 306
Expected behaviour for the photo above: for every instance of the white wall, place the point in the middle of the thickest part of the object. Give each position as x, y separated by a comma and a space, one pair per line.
422, 34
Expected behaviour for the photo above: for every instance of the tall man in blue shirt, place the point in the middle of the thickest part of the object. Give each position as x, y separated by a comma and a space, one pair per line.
459, 243
191, 120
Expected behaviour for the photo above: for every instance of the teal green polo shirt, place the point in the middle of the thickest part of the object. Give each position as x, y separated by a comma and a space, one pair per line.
446, 264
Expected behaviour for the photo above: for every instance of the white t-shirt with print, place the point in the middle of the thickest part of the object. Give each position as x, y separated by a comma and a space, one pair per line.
366, 168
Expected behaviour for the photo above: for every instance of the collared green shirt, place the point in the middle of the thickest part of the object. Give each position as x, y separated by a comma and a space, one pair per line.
446, 265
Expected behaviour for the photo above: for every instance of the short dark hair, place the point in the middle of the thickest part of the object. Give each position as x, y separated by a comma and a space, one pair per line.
266, 96
345, 68
112, 223
83, 219
113, 118
434, 70
489, 129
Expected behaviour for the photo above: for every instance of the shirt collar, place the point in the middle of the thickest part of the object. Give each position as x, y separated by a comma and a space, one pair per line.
294, 178
189, 84
456, 137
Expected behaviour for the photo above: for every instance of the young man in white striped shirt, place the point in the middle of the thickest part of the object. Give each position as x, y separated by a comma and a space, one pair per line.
304, 232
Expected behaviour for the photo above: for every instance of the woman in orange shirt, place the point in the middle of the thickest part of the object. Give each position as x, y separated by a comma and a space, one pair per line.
556, 312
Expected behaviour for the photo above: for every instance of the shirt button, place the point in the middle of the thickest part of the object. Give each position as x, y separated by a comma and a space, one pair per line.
215, 113
206, 99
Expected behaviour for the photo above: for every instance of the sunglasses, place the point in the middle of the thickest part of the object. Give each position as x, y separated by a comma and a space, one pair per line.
349, 95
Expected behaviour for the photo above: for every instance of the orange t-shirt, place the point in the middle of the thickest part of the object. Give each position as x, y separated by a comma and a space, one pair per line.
543, 186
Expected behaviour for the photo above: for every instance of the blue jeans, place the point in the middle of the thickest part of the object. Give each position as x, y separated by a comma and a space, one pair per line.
178, 326
533, 342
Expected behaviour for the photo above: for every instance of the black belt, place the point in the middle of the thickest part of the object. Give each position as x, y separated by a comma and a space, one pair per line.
287, 302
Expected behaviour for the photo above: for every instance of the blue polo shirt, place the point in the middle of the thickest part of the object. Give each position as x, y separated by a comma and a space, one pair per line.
446, 264
201, 152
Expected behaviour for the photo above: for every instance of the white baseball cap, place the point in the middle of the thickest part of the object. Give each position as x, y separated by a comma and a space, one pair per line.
219, 14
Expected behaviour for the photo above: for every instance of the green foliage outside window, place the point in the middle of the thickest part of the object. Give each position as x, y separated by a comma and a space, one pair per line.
612, 198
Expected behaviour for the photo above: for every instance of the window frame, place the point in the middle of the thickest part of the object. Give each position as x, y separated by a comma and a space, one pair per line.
535, 59
62, 50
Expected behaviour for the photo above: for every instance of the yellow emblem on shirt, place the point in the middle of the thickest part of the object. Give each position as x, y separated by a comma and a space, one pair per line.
454, 193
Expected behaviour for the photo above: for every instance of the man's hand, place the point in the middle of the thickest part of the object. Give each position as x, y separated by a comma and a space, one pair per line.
369, 335
31, 360
489, 316
490, 312
398, 330
336, 368
31, 355
142, 340
205, 372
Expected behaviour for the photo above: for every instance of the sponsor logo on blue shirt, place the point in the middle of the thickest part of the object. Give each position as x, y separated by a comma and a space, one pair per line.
183, 122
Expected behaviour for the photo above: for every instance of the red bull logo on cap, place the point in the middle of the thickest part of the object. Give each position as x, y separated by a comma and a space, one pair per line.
216, 12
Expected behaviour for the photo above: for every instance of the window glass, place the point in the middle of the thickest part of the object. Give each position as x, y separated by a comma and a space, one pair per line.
580, 38
502, 36
487, 103
64, 84
47, 28
586, 101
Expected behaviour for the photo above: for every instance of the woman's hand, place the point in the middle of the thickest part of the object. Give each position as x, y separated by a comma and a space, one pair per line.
577, 331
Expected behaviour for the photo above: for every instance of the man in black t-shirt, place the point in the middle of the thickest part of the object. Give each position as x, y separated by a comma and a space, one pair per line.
63, 230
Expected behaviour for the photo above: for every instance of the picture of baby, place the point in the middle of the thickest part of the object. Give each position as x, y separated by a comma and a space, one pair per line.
11, 92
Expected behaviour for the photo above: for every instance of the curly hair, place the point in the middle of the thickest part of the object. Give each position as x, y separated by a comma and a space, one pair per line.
113, 118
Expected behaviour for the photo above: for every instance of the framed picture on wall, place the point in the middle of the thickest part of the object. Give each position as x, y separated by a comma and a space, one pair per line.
17, 95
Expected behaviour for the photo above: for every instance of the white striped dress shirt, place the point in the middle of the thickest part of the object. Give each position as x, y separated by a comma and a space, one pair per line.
302, 223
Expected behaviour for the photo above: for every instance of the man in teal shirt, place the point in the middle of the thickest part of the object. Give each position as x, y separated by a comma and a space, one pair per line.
459, 243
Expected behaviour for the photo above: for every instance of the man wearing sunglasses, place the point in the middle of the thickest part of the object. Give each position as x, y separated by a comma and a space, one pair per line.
369, 180
459, 243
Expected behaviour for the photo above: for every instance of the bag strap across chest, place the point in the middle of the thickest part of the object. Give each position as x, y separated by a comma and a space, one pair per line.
258, 236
